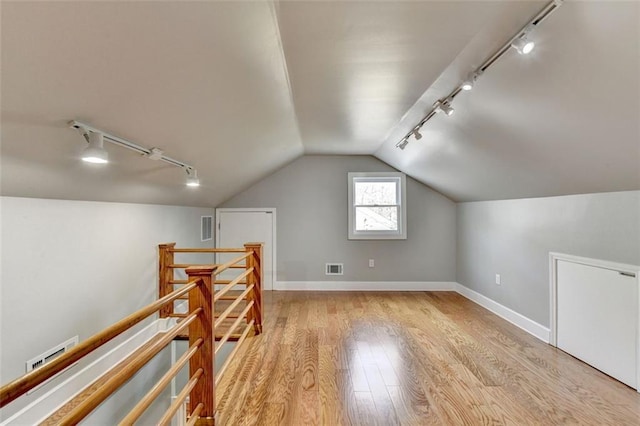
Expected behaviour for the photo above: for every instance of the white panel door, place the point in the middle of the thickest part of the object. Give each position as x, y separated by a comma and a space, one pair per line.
597, 318
239, 226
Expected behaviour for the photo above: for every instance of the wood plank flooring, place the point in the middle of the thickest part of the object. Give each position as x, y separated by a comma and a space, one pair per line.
411, 358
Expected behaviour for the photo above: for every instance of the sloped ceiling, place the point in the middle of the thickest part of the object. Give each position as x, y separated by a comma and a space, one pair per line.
239, 89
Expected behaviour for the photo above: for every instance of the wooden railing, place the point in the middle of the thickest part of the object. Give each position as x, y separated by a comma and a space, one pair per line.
251, 254
199, 323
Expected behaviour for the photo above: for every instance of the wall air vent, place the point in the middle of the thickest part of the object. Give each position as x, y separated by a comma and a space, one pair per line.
334, 269
206, 228
51, 354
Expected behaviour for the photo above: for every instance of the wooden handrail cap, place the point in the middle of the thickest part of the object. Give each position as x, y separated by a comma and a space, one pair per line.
165, 245
201, 269
253, 244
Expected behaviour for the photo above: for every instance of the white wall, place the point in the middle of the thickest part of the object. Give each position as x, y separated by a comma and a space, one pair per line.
514, 237
74, 267
310, 196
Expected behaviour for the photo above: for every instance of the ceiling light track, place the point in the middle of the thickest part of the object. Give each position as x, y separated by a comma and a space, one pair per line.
520, 41
95, 152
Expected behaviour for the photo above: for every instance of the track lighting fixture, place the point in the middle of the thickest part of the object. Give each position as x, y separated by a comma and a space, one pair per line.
444, 106
523, 45
520, 41
95, 152
417, 134
192, 177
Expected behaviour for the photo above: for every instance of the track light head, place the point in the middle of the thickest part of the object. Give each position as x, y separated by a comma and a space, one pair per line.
403, 144
95, 152
470, 81
523, 45
444, 106
417, 134
192, 178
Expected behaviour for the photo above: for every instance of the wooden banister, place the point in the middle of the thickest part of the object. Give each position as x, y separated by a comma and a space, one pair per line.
233, 353
254, 261
195, 415
208, 250
165, 275
233, 263
20, 386
182, 396
224, 290
157, 389
96, 398
235, 324
203, 390
232, 306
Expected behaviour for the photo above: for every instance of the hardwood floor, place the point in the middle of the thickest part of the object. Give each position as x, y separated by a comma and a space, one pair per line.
409, 358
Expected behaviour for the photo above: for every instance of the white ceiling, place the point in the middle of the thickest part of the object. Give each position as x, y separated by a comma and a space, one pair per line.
239, 89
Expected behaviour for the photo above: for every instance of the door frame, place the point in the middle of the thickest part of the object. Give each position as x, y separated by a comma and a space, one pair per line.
271, 210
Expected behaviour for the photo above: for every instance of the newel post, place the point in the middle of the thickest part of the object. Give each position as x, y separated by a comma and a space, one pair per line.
255, 262
202, 327
165, 276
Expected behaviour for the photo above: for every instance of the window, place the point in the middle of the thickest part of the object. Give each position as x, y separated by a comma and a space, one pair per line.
377, 206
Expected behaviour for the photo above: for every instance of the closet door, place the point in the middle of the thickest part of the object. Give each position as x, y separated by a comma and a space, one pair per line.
597, 318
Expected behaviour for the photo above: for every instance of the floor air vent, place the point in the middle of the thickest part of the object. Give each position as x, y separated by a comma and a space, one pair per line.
333, 268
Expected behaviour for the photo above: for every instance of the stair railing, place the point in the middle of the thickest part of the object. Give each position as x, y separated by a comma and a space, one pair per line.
200, 323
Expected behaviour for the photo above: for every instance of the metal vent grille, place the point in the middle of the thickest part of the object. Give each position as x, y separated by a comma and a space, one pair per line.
206, 228
51, 354
334, 268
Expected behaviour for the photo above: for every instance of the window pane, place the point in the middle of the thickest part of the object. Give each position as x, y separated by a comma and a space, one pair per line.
376, 218
378, 193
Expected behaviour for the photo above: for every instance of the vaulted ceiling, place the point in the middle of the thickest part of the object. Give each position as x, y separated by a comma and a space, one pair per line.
239, 89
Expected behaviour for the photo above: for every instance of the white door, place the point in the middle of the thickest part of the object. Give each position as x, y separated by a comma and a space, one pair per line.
235, 227
597, 311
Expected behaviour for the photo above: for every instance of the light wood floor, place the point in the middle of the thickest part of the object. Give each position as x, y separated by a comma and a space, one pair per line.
412, 359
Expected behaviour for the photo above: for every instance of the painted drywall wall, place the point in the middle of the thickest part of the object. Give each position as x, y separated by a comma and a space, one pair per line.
73, 268
310, 196
513, 238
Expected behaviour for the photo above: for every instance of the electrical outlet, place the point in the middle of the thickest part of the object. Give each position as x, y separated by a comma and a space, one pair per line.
372, 263
498, 281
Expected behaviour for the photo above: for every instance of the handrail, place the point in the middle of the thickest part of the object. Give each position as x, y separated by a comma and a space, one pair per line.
224, 290
231, 307
187, 265
195, 415
157, 389
182, 396
207, 250
21, 385
235, 324
232, 262
233, 353
102, 393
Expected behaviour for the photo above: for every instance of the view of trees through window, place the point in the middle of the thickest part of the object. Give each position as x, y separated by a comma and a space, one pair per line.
376, 205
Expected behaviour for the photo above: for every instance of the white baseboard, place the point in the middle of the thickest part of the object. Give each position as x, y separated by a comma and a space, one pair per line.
519, 320
41, 408
365, 285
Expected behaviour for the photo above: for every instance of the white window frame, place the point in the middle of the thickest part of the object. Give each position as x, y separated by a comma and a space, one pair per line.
400, 179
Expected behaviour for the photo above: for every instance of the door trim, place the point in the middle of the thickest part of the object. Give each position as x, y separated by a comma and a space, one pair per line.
271, 210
